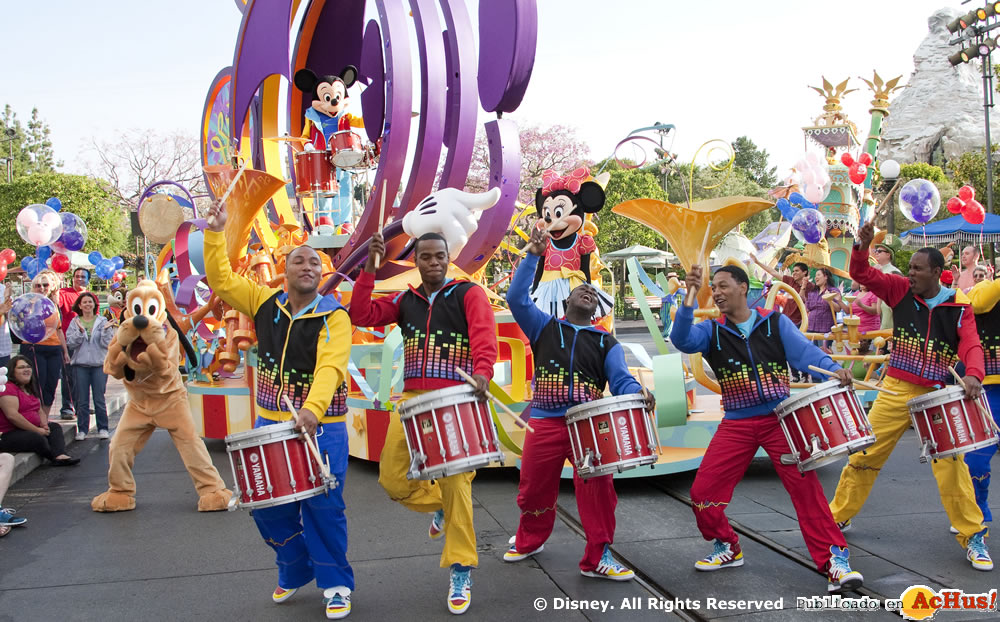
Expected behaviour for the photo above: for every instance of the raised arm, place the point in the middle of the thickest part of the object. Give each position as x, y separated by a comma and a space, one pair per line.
889, 287
366, 311
530, 318
243, 294
774, 273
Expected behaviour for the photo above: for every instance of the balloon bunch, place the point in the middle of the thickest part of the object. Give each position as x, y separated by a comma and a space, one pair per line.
813, 177
107, 268
54, 232
967, 205
919, 200
808, 223
7, 257
856, 170
39, 225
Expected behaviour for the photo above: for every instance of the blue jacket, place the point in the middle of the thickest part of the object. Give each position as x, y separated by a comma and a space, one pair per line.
573, 363
752, 371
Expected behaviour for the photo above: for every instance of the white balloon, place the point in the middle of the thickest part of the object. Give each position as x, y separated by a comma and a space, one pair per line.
889, 169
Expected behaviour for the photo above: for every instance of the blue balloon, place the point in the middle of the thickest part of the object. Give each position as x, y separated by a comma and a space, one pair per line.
105, 269
69, 221
73, 240
44, 252
54, 203
27, 264
95, 257
119, 262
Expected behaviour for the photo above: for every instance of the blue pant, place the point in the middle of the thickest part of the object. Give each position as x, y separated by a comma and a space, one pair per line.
979, 460
87, 381
309, 537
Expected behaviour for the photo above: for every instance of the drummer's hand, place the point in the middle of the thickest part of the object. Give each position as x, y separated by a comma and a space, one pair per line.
650, 400
693, 280
376, 248
537, 241
216, 217
307, 421
482, 386
973, 388
866, 234
845, 377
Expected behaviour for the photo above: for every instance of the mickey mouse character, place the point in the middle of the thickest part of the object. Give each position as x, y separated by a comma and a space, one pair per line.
325, 117
562, 204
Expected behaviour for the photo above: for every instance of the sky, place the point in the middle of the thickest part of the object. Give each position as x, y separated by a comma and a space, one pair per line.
714, 70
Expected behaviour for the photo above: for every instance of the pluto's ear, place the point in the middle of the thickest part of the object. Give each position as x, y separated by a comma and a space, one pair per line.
306, 80
591, 197
349, 75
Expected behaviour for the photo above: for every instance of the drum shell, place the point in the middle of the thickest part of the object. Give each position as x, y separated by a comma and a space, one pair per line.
314, 174
951, 424
347, 149
448, 431
275, 456
616, 432
831, 414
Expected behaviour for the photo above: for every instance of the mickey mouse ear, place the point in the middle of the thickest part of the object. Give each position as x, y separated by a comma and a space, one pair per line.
305, 80
349, 75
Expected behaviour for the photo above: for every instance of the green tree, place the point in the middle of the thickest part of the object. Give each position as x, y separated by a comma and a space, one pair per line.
970, 169
754, 162
30, 145
90, 199
616, 232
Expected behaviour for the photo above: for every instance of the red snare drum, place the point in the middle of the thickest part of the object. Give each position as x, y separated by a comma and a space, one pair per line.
272, 466
948, 424
448, 431
823, 424
347, 150
314, 174
611, 435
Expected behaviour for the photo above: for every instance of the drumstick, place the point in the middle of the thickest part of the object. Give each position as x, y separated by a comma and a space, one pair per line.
860, 383
507, 411
979, 405
381, 218
309, 441
232, 184
689, 299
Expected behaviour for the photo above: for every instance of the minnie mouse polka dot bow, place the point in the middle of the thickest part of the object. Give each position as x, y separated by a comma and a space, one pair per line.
551, 181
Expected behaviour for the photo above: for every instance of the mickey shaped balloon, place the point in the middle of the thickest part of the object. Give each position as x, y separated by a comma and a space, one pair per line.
814, 177
919, 200
857, 171
33, 317
809, 225
74, 234
39, 225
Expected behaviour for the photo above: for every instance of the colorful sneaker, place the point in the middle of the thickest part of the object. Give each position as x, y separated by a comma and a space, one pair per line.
841, 577
338, 602
460, 589
977, 552
512, 554
844, 526
280, 594
436, 530
12, 521
608, 568
725, 555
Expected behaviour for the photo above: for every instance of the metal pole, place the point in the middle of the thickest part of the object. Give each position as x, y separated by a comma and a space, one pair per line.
987, 104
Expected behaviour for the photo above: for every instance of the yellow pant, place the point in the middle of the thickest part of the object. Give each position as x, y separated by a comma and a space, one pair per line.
890, 417
452, 493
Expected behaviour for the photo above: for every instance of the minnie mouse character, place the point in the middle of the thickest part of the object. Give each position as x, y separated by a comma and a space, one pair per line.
562, 204
325, 117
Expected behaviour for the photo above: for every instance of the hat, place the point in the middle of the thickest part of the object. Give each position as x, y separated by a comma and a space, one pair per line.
671, 274
888, 248
947, 277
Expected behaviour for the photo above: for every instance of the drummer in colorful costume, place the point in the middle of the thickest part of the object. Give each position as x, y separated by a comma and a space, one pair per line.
562, 204
933, 328
325, 117
984, 297
446, 323
574, 361
303, 347
750, 351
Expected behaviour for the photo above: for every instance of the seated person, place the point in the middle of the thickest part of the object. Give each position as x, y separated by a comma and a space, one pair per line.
24, 426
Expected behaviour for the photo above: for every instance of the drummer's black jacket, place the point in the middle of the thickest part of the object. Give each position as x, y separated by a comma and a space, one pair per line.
573, 363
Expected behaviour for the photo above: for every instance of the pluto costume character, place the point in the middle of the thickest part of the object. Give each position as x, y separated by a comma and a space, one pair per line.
144, 353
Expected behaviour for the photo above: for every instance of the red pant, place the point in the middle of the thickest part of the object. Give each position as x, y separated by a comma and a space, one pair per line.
726, 460
544, 454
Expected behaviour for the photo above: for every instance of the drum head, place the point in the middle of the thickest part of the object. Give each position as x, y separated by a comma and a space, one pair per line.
159, 217
458, 394
946, 395
809, 396
604, 405
348, 158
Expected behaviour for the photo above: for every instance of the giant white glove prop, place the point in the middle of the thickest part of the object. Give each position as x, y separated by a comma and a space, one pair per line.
452, 213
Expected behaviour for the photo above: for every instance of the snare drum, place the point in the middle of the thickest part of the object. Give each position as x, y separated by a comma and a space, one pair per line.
314, 174
347, 151
612, 435
947, 423
823, 424
271, 466
448, 431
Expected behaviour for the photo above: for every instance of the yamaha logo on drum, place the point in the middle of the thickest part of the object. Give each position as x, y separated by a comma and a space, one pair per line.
625, 437
254, 458
257, 476
449, 433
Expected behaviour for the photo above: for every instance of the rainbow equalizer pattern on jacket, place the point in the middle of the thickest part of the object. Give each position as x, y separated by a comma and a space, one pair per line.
296, 387
929, 359
739, 384
437, 356
552, 389
991, 353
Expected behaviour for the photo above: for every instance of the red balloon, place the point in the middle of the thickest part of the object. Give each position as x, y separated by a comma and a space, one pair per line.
7, 255
60, 263
3, 271
846, 159
865, 159
966, 193
955, 205
858, 172
974, 212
